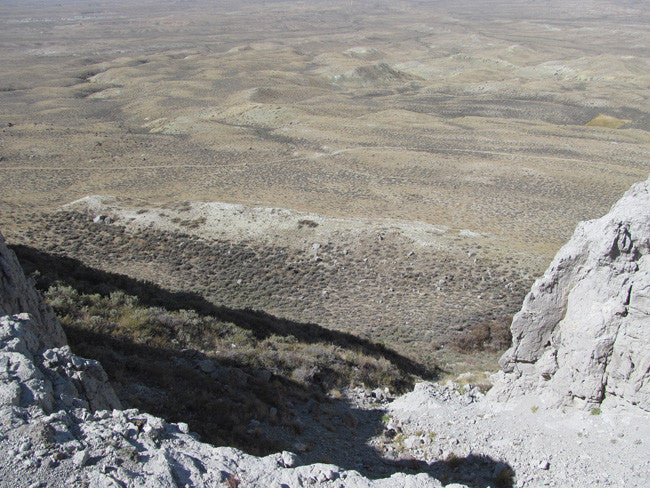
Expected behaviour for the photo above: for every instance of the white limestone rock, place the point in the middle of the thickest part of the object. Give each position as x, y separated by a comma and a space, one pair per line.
17, 295
583, 333
34, 355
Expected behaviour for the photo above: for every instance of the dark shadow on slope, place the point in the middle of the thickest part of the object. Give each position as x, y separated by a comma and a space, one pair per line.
234, 406
53, 267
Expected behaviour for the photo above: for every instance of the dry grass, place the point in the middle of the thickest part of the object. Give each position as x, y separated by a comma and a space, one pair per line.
607, 121
420, 123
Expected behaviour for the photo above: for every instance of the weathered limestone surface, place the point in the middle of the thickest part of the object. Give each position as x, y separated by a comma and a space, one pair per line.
583, 333
33, 346
17, 295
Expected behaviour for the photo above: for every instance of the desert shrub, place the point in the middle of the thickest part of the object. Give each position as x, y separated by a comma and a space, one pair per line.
307, 223
491, 335
308, 359
149, 340
65, 300
192, 223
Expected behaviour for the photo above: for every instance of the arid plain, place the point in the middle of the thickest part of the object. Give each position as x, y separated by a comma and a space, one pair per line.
430, 157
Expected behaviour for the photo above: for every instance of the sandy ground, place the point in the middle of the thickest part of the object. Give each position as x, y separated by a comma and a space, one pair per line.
544, 447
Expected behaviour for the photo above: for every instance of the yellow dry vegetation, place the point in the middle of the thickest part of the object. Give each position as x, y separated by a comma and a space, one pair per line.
607, 121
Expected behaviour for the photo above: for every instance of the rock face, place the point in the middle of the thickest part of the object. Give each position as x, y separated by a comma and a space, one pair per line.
583, 333
17, 295
36, 364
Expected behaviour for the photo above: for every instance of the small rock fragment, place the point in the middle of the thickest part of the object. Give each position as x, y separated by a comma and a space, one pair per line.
288, 459
80, 458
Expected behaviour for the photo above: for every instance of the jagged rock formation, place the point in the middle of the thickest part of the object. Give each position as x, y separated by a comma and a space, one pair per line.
61, 422
17, 295
583, 333
50, 434
36, 364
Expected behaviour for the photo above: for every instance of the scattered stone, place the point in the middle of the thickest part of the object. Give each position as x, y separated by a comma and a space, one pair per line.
289, 459
80, 457
326, 475
154, 427
207, 366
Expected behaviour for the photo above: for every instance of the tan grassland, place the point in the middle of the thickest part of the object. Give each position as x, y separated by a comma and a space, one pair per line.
500, 124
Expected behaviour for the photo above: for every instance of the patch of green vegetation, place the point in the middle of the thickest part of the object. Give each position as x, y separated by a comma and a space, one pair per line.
595, 411
453, 461
399, 441
121, 317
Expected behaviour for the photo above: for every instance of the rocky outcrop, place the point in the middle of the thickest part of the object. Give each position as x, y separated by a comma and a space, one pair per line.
36, 364
49, 432
583, 333
51, 378
17, 295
